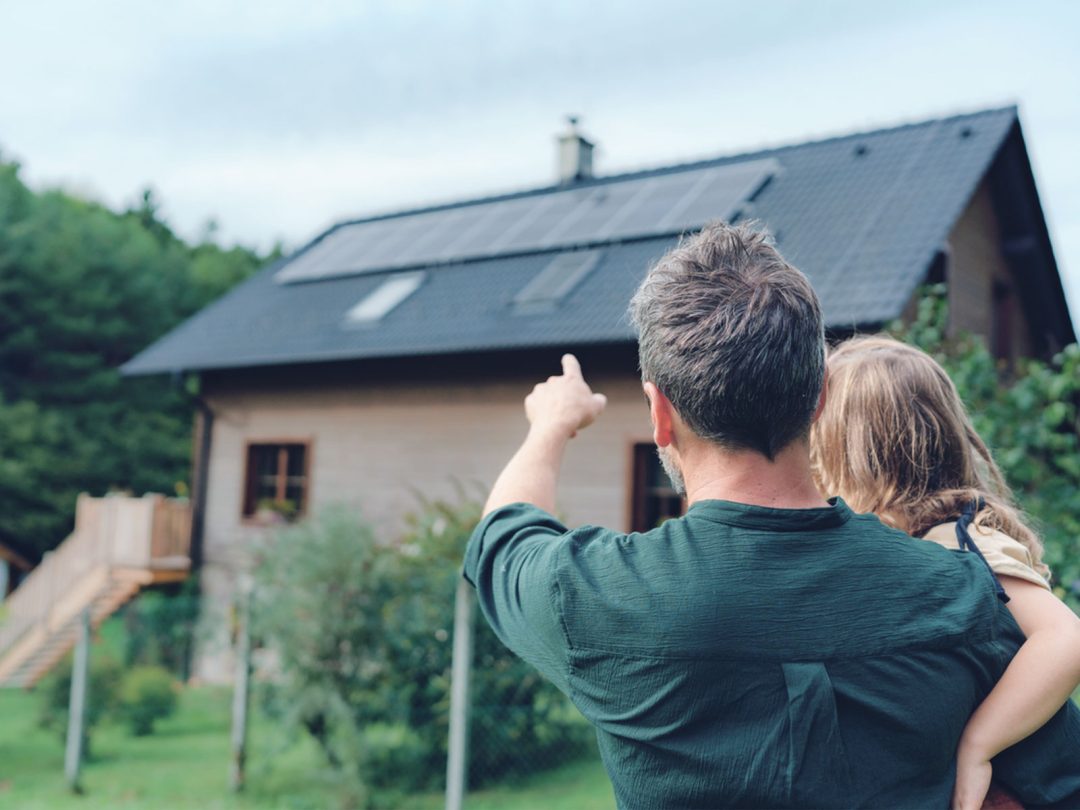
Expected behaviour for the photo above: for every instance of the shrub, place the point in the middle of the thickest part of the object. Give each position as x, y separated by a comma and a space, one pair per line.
520, 723
160, 627
363, 636
319, 589
147, 695
1029, 415
102, 689
393, 758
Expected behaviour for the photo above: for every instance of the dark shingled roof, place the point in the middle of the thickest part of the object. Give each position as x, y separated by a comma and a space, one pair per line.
862, 215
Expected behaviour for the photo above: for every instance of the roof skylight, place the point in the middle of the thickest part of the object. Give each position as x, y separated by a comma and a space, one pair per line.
374, 306
557, 280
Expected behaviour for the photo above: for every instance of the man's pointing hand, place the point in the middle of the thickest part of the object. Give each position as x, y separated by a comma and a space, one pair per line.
564, 404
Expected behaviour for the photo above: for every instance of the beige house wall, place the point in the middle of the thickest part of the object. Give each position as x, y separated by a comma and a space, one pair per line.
976, 263
376, 446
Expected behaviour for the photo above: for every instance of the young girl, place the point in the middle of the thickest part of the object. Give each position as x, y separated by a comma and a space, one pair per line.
894, 439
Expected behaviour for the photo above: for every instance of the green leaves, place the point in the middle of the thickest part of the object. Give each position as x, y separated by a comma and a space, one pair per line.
363, 633
82, 289
1028, 417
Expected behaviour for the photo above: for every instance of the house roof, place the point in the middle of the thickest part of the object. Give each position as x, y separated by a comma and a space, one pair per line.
862, 215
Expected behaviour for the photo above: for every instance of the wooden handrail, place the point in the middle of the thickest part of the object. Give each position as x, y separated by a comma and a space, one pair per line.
114, 531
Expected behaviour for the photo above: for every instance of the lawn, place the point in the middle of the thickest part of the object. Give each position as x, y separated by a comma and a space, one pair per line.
184, 765
580, 786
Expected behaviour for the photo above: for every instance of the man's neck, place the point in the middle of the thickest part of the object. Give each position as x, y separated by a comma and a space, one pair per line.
741, 476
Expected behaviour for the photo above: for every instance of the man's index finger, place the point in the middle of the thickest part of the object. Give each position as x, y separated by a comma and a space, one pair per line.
570, 366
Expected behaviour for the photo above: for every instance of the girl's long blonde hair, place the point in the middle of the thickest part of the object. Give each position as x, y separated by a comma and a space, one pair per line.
895, 439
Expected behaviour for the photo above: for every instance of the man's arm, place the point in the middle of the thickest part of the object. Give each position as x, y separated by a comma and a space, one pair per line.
512, 556
556, 410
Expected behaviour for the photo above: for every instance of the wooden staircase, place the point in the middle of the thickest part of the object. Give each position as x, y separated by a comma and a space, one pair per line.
119, 545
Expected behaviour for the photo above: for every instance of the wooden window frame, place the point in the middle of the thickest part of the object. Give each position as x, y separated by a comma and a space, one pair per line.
1002, 325
252, 518
633, 481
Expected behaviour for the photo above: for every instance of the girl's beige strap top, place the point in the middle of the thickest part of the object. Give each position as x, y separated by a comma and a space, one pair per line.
1005, 555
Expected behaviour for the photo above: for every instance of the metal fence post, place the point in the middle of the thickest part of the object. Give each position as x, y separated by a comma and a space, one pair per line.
241, 690
76, 733
457, 760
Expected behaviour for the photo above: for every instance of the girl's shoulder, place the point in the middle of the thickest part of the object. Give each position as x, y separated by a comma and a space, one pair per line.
1005, 555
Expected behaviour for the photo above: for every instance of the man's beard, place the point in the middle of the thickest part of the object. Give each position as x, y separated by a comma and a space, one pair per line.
672, 470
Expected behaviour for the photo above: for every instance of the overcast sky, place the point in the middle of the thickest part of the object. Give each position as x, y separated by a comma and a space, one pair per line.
278, 118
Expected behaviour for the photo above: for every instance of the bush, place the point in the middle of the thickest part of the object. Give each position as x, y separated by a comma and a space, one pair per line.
103, 687
393, 759
363, 636
1029, 416
520, 723
319, 590
147, 695
160, 626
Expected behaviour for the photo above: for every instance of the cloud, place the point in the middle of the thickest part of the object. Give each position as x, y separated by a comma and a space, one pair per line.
277, 118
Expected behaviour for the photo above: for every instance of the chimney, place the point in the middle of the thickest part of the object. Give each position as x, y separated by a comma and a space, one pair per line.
575, 154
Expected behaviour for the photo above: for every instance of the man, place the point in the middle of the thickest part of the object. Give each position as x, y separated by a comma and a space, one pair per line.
770, 648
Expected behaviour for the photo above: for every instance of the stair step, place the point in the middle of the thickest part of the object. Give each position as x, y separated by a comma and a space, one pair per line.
114, 593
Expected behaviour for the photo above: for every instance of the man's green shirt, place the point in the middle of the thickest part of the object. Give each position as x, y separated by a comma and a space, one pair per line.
742, 656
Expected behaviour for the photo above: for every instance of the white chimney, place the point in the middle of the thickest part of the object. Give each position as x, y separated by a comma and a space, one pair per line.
575, 154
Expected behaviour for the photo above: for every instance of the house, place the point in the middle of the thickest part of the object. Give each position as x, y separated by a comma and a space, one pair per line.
390, 355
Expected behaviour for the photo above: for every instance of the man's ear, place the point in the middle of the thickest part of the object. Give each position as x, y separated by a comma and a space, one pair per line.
822, 397
662, 413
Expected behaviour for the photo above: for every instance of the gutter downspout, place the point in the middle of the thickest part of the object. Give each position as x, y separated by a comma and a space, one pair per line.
200, 475
200, 469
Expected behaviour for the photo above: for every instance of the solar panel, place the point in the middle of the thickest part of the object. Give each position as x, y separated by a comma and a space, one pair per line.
531, 209
574, 217
603, 205
434, 235
397, 245
651, 208
723, 194
480, 232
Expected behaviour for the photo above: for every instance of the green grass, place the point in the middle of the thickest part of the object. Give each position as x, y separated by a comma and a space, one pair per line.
580, 786
184, 766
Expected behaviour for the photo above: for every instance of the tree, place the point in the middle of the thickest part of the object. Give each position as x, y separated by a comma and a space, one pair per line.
83, 289
1028, 416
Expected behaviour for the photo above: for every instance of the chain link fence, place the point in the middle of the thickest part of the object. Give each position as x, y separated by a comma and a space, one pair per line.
508, 725
382, 659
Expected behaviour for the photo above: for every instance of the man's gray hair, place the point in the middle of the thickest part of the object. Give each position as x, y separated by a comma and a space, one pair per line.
733, 336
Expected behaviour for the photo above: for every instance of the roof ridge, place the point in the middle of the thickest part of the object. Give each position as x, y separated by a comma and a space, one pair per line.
645, 171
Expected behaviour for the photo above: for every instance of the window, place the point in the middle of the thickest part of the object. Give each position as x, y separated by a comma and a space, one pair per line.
654, 499
378, 303
556, 281
1001, 338
276, 481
